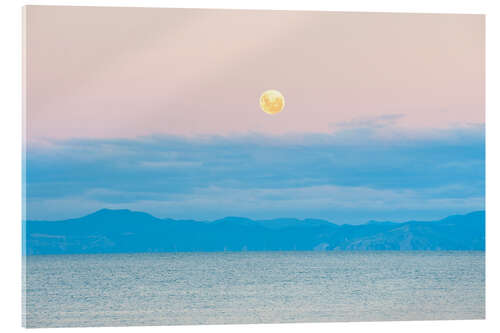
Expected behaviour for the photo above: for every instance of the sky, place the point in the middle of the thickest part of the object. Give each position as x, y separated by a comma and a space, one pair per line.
158, 110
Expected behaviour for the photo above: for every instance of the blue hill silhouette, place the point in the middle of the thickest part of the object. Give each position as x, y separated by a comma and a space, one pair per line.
125, 231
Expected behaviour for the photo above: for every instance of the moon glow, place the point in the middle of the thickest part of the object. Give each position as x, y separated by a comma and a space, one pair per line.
272, 101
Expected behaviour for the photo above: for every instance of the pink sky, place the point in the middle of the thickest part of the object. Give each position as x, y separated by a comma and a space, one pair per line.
127, 72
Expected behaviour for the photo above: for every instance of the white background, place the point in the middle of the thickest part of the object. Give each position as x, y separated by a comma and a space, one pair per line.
11, 138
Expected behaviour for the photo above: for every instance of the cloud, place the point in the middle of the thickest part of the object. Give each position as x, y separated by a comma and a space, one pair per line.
262, 176
371, 122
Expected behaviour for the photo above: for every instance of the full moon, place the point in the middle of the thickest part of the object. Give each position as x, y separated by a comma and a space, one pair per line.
272, 101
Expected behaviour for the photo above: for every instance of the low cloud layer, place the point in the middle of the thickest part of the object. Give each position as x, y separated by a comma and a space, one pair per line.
335, 177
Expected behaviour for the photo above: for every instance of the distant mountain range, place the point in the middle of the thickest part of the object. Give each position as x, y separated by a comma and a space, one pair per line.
125, 231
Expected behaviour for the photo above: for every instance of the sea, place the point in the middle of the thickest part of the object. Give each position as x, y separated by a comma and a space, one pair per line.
251, 287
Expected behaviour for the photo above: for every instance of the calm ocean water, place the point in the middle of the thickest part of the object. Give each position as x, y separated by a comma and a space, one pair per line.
252, 287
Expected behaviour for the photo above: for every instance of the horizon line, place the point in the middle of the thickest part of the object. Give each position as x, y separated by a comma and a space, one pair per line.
246, 218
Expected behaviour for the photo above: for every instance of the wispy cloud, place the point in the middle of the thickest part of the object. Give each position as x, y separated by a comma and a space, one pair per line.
370, 122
